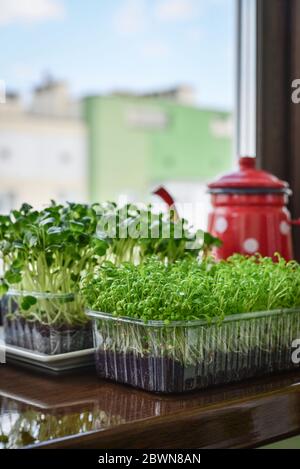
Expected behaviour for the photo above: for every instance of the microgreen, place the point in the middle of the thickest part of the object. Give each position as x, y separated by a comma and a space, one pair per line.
176, 295
188, 290
138, 233
46, 251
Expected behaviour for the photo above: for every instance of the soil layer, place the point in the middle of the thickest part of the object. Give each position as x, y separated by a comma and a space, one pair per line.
166, 375
48, 339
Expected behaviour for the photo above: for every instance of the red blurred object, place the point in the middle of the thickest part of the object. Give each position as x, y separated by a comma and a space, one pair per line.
168, 199
250, 213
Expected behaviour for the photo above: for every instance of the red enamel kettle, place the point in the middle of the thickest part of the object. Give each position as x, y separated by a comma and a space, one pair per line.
250, 213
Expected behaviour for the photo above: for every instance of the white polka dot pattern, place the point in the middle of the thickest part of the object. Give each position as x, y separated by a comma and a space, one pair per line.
251, 245
221, 225
285, 228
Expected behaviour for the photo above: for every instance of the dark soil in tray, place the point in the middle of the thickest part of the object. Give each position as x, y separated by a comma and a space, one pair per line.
165, 375
42, 338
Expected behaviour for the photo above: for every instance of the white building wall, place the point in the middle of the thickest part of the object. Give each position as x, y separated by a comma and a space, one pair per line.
41, 158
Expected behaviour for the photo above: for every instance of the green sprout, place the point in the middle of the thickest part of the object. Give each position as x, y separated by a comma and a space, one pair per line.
190, 310
139, 233
45, 252
189, 290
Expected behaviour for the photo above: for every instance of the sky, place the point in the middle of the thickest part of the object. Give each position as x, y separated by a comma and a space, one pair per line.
102, 45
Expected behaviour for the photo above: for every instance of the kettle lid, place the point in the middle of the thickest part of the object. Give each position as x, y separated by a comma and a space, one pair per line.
248, 177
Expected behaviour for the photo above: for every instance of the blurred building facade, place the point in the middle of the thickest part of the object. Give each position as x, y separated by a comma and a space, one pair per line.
138, 142
117, 147
43, 149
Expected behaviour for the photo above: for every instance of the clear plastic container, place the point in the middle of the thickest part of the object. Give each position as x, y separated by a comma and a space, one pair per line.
185, 356
33, 330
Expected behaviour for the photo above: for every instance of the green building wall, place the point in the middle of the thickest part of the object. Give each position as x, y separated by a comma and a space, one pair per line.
126, 157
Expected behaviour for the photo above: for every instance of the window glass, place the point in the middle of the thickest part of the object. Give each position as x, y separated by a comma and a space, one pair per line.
109, 100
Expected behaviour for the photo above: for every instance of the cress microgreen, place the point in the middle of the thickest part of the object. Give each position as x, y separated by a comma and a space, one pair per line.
178, 294
189, 290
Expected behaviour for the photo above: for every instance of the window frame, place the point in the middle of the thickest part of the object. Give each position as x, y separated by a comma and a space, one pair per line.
277, 117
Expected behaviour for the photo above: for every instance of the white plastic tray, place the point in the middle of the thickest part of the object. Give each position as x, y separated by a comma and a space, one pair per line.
55, 363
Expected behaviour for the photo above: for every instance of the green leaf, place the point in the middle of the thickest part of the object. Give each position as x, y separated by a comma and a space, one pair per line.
25, 208
30, 239
18, 245
210, 240
17, 264
75, 277
77, 226
86, 220
47, 221
5, 247
13, 276
16, 214
33, 240
3, 288
27, 302
100, 246
54, 230
4, 219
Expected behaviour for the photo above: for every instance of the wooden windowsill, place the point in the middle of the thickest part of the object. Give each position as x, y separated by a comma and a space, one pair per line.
82, 411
